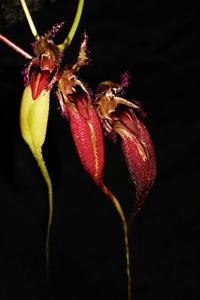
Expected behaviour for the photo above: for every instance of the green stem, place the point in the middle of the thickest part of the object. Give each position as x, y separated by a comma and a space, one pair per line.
74, 27
37, 153
29, 19
118, 207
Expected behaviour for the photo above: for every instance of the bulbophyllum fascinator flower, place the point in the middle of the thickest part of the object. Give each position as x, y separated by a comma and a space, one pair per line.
40, 74
123, 118
76, 105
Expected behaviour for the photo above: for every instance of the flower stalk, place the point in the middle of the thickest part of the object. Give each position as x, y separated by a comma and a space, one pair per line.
74, 26
29, 19
119, 209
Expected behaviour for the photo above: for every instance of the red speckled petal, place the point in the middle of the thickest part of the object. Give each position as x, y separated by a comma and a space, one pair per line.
141, 161
88, 138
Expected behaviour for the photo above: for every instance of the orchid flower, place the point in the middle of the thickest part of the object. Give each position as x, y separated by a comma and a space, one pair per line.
77, 106
40, 74
86, 116
39, 77
122, 117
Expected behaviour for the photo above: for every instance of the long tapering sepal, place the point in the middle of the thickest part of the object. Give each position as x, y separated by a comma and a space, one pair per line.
119, 209
139, 153
87, 135
33, 122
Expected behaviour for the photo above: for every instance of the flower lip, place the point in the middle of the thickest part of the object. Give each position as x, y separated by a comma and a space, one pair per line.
38, 82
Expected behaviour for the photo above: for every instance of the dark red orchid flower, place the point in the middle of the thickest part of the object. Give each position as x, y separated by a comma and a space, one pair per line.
76, 105
41, 72
120, 116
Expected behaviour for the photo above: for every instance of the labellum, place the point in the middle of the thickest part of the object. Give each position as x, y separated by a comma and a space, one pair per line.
118, 116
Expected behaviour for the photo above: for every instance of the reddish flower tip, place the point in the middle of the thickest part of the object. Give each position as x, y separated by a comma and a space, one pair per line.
38, 82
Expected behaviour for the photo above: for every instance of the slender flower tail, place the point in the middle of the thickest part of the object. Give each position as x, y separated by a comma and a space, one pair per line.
33, 122
37, 153
118, 207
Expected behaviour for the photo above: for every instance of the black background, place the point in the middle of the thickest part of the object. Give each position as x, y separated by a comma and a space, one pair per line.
157, 42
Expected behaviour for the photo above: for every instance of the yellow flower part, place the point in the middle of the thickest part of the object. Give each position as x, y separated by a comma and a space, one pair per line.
34, 117
33, 122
